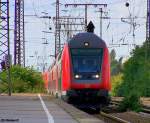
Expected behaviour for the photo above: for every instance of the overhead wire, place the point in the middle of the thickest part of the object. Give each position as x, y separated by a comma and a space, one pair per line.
110, 23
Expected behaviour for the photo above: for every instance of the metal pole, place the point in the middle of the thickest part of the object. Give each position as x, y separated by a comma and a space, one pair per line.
68, 36
101, 25
148, 17
57, 31
19, 43
147, 45
24, 59
9, 65
0, 9
4, 42
85, 17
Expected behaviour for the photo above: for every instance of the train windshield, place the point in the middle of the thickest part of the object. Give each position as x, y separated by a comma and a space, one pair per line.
87, 60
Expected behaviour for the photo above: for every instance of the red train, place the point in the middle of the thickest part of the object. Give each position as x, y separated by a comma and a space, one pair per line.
81, 72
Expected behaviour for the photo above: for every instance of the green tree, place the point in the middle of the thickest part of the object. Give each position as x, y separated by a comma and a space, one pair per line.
116, 72
136, 78
23, 80
116, 66
136, 74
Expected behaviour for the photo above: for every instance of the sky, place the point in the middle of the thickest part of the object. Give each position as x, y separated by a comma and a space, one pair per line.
118, 35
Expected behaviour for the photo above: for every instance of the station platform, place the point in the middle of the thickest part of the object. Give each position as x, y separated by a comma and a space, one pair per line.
33, 108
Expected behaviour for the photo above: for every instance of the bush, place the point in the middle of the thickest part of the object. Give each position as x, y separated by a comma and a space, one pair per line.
116, 81
23, 80
131, 102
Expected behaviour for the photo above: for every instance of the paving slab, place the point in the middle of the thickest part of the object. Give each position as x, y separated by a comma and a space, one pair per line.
28, 109
33, 108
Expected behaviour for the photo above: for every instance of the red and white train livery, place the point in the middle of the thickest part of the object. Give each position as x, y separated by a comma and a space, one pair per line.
81, 72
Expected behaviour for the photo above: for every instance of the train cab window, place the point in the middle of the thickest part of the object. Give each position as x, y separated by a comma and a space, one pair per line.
87, 60
86, 64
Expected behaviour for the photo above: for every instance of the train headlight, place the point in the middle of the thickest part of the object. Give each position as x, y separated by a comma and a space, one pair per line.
96, 76
77, 76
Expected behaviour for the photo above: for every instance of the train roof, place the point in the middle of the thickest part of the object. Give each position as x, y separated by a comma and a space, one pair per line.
79, 40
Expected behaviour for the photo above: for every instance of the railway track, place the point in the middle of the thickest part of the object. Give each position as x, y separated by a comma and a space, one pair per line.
145, 109
113, 116
108, 118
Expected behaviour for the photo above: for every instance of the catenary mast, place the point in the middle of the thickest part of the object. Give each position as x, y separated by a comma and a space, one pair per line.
19, 41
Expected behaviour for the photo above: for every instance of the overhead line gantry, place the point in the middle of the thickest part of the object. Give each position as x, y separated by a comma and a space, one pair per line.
86, 7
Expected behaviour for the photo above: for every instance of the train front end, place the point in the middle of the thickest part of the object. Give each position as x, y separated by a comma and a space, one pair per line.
89, 69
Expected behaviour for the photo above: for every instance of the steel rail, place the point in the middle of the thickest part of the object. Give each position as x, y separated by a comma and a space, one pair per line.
144, 109
114, 118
